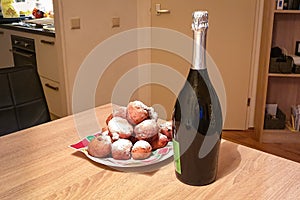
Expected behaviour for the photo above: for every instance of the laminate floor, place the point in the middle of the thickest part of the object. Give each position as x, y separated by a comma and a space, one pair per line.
286, 150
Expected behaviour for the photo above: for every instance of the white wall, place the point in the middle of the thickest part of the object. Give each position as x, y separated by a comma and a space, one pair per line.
96, 26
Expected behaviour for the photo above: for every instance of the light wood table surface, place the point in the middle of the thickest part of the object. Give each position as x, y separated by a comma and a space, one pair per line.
38, 164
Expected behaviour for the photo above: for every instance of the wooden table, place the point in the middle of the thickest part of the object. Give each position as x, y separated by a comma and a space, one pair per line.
38, 164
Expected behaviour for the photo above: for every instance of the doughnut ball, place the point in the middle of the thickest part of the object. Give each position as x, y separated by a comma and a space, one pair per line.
160, 142
136, 112
121, 149
146, 130
166, 129
104, 129
121, 126
100, 146
109, 117
119, 111
152, 114
141, 150
105, 132
115, 136
133, 139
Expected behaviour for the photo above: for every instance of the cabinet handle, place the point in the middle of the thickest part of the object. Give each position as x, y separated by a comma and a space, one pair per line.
47, 42
51, 87
1, 33
26, 55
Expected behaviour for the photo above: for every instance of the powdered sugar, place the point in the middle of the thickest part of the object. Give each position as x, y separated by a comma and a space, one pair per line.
121, 126
142, 144
121, 145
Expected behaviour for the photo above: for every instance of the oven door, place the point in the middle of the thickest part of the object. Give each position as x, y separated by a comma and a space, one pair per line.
23, 57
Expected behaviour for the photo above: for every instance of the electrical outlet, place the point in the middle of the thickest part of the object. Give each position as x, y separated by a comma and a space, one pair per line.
75, 23
115, 22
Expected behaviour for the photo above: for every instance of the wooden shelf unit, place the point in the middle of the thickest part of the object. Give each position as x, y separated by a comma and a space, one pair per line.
279, 28
287, 11
280, 136
284, 75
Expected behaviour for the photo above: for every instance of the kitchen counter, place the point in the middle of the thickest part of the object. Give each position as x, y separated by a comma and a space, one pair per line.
38, 164
39, 31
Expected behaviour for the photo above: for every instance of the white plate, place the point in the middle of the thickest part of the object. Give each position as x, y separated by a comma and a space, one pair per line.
157, 156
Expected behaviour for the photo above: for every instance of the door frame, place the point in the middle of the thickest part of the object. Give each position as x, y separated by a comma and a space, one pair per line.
255, 62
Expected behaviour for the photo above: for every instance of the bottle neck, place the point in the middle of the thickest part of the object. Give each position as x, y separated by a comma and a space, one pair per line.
199, 51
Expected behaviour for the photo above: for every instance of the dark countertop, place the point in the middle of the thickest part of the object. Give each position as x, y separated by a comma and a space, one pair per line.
39, 31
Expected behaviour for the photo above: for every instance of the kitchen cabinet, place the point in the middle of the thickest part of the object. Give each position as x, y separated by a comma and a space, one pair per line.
280, 29
48, 68
6, 58
46, 55
52, 92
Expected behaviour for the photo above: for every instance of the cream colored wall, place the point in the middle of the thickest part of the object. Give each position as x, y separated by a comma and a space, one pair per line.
96, 26
230, 42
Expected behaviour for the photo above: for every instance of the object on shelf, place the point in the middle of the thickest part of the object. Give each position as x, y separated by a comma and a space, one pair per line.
296, 66
8, 9
42, 21
281, 65
37, 13
271, 109
275, 122
276, 52
296, 60
295, 117
289, 127
293, 4
297, 50
280, 62
296, 69
286, 4
279, 5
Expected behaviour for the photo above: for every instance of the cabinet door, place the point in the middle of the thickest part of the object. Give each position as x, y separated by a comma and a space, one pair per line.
46, 55
229, 43
6, 58
53, 96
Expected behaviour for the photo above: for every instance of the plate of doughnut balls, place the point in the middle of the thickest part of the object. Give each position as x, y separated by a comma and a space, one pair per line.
134, 136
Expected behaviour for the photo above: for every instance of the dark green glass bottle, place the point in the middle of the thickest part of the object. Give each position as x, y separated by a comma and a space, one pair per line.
197, 117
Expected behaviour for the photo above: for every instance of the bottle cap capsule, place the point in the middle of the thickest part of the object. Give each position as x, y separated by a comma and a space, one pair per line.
200, 20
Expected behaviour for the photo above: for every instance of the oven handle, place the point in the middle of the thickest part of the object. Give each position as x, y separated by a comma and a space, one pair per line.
22, 54
51, 87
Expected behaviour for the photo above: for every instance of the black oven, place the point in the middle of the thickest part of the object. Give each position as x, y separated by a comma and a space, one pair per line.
23, 51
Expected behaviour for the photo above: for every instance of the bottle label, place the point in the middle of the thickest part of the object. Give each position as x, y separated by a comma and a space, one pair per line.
176, 156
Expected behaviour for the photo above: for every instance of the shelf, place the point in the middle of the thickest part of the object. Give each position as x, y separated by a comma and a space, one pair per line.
284, 75
287, 11
280, 136
279, 28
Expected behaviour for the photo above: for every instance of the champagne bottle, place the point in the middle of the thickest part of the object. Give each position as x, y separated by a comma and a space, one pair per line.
197, 117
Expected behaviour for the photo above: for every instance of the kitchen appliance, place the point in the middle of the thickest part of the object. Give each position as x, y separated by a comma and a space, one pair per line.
23, 51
